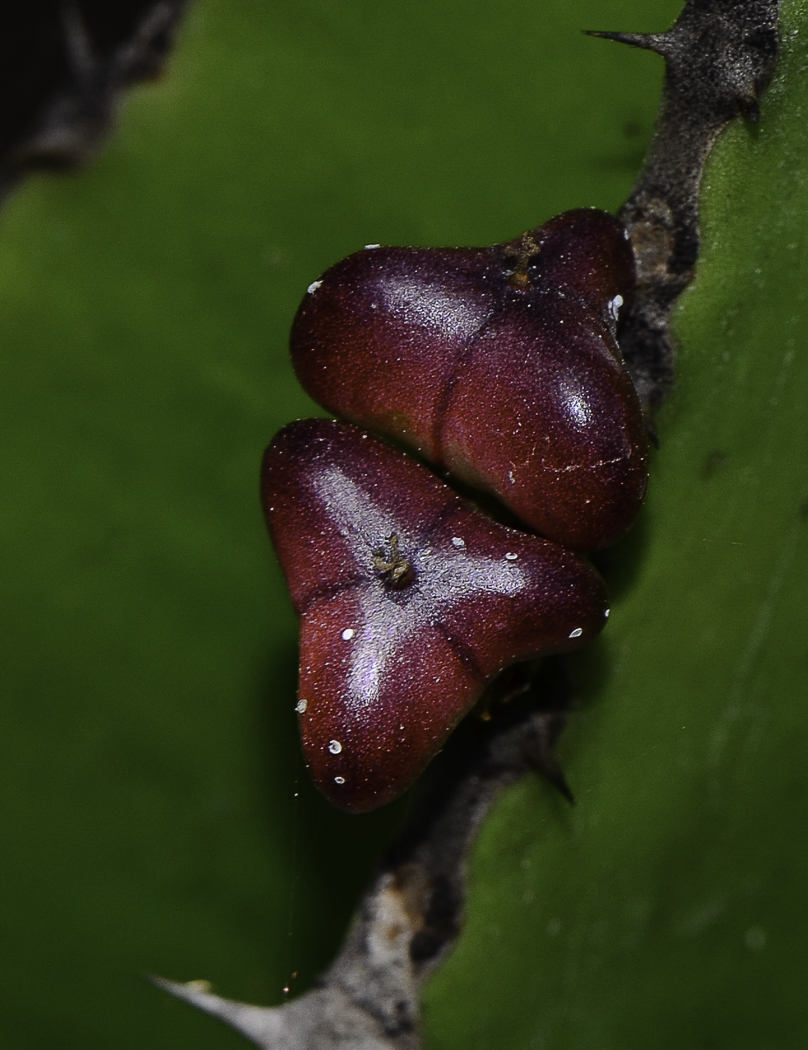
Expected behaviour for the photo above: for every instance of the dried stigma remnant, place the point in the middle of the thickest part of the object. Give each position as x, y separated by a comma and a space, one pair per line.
421, 652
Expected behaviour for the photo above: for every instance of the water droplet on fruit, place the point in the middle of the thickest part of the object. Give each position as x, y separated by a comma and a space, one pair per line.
334, 746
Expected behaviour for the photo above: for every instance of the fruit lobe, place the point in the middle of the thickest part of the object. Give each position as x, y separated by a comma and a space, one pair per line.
410, 602
499, 365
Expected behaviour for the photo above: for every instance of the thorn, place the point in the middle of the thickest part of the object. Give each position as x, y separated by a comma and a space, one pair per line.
197, 993
263, 1024
646, 41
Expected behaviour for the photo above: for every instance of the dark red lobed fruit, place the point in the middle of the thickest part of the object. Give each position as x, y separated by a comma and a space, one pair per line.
500, 365
400, 636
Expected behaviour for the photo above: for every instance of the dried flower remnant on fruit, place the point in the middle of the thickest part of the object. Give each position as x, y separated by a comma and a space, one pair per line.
523, 253
395, 569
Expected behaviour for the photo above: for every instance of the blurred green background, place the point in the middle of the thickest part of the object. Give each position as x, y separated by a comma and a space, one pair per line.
155, 812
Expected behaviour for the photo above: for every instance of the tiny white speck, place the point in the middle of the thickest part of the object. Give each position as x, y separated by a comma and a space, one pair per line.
511, 556
606, 614
339, 780
334, 746
348, 634
577, 632
301, 706
511, 478
312, 288
458, 542
372, 246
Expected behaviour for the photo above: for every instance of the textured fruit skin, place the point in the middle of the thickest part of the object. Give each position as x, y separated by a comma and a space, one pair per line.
499, 365
387, 670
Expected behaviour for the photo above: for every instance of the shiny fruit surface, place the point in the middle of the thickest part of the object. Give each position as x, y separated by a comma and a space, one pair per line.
499, 365
410, 601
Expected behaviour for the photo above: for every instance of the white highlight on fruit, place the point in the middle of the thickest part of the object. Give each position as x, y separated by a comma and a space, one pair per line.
418, 301
348, 634
606, 614
334, 746
574, 402
372, 246
339, 780
614, 306
577, 632
511, 556
458, 542
301, 706
312, 288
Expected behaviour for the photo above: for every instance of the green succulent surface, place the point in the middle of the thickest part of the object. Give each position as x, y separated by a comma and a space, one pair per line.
156, 815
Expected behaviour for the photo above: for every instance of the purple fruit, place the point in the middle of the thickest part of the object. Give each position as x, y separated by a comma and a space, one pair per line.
410, 602
499, 365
